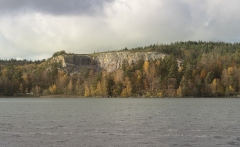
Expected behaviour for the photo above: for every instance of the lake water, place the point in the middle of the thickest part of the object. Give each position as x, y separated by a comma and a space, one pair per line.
103, 122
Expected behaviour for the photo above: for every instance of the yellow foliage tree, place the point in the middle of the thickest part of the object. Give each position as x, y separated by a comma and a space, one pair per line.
214, 86
231, 89
92, 91
70, 87
230, 70
217, 88
98, 90
146, 66
160, 94
124, 93
53, 89
119, 75
179, 91
129, 88
87, 91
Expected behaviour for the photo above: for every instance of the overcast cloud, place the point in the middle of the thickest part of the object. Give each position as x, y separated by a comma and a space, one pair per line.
35, 29
53, 7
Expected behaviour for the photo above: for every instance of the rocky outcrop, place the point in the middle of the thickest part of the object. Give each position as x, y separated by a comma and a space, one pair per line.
108, 61
75, 62
114, 60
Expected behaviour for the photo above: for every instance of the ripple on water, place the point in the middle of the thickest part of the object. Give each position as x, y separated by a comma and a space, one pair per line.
120, 122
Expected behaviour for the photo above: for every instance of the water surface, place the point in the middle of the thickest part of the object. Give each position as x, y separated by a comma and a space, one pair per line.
103, 122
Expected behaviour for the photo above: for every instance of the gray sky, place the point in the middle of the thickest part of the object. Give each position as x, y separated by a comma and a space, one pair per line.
35, 29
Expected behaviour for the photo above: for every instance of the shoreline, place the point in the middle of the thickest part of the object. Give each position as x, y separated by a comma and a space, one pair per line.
77, 96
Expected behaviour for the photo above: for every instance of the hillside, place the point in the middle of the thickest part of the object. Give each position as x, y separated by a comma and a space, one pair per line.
181, 69
104, 61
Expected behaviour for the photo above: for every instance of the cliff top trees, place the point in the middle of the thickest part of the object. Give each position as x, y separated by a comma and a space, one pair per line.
63, 52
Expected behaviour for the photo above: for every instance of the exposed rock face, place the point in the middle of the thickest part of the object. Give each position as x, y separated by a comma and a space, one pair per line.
76, 62
107, 61
114, 60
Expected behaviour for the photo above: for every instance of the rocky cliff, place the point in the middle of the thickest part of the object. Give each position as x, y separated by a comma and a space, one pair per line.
114, 60
76, 62
108, 61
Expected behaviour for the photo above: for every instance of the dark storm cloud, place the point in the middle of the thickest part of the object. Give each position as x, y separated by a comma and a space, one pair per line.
54, 7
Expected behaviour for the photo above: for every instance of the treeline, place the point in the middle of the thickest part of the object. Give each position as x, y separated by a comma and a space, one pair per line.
192, 69
6, 62
191, 49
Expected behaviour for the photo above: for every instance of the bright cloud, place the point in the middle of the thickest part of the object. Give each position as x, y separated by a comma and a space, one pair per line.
37, 28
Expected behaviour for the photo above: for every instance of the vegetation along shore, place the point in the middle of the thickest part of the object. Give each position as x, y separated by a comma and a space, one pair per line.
180, 69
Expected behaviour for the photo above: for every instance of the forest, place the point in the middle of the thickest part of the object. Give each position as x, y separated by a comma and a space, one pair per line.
207, 69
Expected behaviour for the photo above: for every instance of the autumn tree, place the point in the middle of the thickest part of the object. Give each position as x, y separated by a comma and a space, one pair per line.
87, 91
53, 89
217, 88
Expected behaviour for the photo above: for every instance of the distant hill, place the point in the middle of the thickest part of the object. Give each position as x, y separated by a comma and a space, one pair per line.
180, 69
